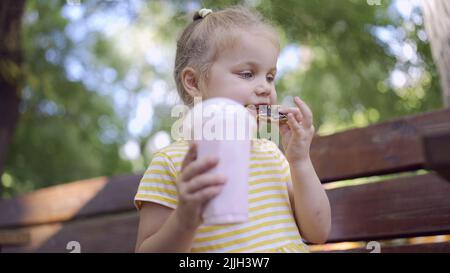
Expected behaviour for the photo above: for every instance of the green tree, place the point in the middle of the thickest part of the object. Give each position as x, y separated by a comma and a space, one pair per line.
65, 132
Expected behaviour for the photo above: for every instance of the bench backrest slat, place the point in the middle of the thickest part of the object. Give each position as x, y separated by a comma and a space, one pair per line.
70, 201
403, 207
379, 149
112, 233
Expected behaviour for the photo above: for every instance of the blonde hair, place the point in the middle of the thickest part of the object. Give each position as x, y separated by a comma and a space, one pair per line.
205, 37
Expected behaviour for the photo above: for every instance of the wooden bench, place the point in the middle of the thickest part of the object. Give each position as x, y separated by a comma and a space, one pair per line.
100, 216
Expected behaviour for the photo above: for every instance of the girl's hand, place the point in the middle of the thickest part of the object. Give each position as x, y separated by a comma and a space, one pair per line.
298, 132
195, 187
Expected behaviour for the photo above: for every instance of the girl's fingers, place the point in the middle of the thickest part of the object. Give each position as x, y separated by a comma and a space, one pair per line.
293, 124
298, 115
284, 128
204, 180
191, 155
205, 194
197, 167
306, 112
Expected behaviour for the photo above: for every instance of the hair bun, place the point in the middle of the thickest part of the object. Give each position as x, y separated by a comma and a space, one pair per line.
200, 14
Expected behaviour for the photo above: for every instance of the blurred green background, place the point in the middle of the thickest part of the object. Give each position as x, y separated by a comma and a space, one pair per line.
98, 89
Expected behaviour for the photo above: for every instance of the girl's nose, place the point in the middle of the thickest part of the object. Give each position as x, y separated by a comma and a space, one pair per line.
262, 90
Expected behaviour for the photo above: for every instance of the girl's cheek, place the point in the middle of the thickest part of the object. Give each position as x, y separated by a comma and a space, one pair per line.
274, 98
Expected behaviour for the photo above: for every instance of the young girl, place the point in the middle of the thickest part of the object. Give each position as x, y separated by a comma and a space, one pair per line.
233, 53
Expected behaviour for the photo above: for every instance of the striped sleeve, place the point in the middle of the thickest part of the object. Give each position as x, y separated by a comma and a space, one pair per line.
158, 183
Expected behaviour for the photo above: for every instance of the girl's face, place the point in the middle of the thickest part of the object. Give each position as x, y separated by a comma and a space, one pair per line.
245, 72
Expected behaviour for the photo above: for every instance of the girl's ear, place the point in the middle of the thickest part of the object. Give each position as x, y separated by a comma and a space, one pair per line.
189, 78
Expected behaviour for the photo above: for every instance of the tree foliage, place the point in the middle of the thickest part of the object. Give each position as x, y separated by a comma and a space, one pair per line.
60, 134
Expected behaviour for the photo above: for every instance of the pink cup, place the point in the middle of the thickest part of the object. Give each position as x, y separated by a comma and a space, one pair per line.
232, 145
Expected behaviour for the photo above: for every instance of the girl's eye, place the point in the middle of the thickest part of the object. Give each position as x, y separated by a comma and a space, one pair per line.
246, 75
270, 78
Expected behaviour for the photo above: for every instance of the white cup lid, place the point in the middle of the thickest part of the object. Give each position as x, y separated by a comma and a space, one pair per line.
219, 118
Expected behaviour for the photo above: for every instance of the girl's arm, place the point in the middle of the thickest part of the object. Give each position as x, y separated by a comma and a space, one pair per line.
310, 201
312, 208
161, 231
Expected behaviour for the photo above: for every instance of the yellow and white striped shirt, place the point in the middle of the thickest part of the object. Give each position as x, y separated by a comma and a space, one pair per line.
271, 226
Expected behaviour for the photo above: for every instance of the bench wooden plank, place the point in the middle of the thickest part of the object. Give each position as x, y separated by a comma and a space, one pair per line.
436, 144
443, 247
402, 207
70, 201
112, 233
388, 147
14, 238
420, 248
